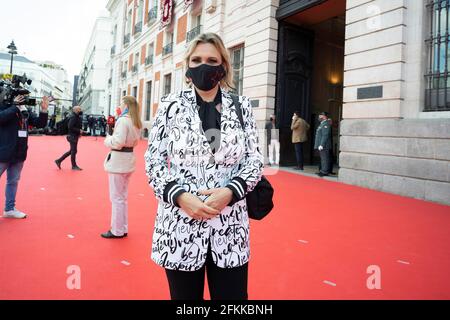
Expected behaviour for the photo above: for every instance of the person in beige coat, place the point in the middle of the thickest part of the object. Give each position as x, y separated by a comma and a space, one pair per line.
121, 163
299, 129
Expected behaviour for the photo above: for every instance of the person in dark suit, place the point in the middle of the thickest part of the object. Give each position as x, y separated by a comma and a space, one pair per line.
14, 122
73, 136
102, 125
323, 144
91, 124
273, 140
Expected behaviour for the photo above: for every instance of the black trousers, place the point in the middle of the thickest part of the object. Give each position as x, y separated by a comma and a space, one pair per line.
299, 154
72, 152
224, 284
326, 163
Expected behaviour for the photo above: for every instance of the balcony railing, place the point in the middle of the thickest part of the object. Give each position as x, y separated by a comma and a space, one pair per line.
168, 49
149, 60
152, 15
123, 75
138, 27
126, 39
191, 35
135, 68
113, 50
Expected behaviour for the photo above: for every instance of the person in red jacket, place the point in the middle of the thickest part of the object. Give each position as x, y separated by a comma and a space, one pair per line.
111, 122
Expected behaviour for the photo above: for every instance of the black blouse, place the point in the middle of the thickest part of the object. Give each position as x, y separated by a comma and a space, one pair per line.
211, 119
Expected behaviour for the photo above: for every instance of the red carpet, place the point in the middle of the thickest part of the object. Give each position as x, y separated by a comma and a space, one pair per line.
316, 244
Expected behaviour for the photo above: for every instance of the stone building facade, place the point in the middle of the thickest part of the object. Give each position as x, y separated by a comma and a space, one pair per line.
379, 67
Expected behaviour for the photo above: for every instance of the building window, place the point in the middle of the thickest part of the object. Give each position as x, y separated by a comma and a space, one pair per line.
130, 21
168, 48
124, 70
237, 62
437, 95
149, 58
124, 93
195, 28
153, 11
135, 92
113, 47
140, 11
110, 78
148, 101
136, 63
151, 49
139, 15
167, 83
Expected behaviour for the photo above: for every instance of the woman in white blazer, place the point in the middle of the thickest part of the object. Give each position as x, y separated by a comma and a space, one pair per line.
201, 164
120, 164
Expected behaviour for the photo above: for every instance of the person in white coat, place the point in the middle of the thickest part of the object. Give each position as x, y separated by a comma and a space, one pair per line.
201, 164
121, 163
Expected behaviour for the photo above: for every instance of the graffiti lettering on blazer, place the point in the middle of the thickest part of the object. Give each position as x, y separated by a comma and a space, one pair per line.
179, 151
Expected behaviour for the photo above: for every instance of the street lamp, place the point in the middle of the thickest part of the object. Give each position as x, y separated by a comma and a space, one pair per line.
12, 50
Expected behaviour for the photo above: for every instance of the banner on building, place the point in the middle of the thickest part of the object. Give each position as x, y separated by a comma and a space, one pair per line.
187, 3
166, 12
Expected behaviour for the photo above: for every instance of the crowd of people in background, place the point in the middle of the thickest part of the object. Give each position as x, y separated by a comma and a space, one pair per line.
91, 124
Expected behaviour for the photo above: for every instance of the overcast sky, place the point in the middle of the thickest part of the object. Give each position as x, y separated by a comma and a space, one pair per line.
55, 30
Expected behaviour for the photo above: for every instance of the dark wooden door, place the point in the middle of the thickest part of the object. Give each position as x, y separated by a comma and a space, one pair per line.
295, 61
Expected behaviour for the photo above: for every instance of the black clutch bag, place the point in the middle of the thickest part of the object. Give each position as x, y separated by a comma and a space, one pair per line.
260, 200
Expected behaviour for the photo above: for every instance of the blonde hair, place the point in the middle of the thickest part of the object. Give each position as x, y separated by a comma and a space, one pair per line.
133, 110
212, 38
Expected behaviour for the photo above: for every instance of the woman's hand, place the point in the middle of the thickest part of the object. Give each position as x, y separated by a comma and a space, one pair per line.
219, 198
196, 208
44, 104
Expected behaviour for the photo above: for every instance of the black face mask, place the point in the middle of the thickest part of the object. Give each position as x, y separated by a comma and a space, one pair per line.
206, 77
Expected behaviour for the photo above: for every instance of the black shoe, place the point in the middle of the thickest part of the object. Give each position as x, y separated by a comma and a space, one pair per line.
58, 164
323, 174
109, 235
77, 168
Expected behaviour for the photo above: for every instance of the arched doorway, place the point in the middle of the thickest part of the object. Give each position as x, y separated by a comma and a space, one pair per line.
310, 70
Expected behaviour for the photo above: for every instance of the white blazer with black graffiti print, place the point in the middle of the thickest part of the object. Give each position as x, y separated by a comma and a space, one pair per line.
179, 157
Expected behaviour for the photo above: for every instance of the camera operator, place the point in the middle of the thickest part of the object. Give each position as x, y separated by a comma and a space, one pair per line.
14, 121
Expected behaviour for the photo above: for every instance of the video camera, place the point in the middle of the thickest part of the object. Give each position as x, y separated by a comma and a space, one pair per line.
12, 86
